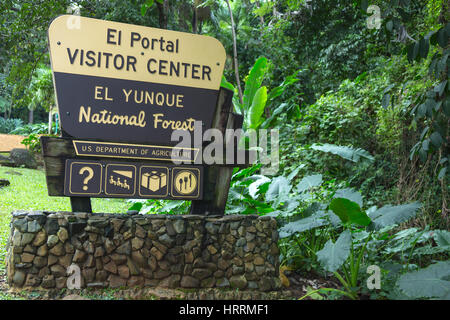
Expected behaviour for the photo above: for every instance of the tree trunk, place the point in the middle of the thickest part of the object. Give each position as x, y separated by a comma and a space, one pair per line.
236, 66
194, 20
50, 118
163, 12
31, 116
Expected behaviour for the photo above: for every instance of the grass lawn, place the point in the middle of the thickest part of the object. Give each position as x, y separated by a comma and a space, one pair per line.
28, 191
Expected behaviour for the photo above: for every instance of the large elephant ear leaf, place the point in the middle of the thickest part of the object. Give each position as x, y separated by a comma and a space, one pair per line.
309, 182
430, 282
390, 215
333, 255
349, 212
278, 191
349, 194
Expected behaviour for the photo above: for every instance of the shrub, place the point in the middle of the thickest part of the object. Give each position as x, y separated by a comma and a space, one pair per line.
8, 125
35, 128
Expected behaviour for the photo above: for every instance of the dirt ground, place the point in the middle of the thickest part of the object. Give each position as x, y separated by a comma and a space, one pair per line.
10, 141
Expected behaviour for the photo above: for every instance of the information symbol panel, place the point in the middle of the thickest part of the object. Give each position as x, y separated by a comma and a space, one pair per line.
132, 180
185, 182
120, 179
154, 181
85, 178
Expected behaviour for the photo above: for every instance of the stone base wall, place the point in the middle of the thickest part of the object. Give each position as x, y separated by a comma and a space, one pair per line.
117, 250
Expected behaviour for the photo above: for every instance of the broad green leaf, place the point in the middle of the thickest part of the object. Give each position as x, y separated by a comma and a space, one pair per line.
254, 114
309, 182
278, 191
349, 194
428, 249
136, 206
436, 139
442, 37
424, 132
301, 225
440, 88
386, 100
253, 189
146, 6
389, 25
446, 106
295, 172
277, 91
279, 110
442, 238
348, 153
333, 255
290, 205
225, 84
171, 205
390, 215
416, 51
349, 211
426, 144
430, 104
424, 47
254, 81
411, 52
421, 110
441, 173
430, 282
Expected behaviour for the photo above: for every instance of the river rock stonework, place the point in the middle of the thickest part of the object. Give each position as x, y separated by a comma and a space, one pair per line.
118, 250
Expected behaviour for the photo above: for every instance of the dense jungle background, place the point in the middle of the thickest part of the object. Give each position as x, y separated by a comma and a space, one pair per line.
359, 91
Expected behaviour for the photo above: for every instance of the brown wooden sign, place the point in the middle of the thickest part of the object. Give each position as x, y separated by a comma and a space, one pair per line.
126, 83
122, 90
108, 179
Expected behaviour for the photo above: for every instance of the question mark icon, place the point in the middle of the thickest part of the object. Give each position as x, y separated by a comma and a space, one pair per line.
88, 177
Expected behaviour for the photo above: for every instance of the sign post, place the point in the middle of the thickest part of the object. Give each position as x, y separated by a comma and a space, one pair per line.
122, 90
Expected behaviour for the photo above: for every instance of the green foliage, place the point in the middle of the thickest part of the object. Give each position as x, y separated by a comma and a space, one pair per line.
333, 255
253, 118
345, 152
33, 133
256, 97
430, 282
309, 217
390, 215
153, 206
349, 212
9, 125
28, 129
32, 142
40, 91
